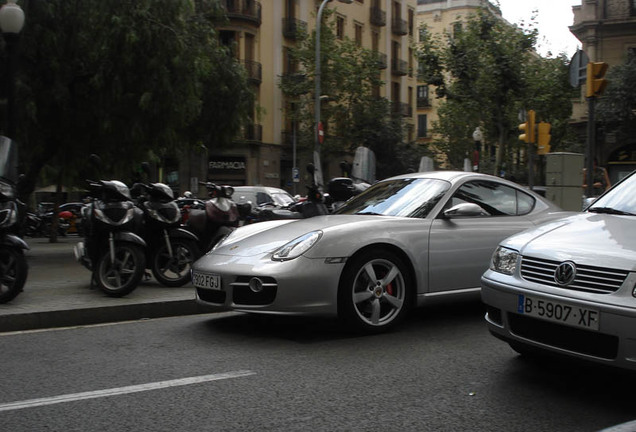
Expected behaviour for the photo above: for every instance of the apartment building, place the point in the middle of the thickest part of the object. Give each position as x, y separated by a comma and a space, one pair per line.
262, 32
607, 31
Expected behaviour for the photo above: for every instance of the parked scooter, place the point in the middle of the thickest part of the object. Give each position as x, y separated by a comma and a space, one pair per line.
171, 249
111, 250
13, 264
38, 224
219, 217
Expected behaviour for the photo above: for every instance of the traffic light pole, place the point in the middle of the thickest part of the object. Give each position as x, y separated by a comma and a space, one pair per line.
591, 145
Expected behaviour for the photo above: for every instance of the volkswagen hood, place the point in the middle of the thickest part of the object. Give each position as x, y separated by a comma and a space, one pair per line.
600, 240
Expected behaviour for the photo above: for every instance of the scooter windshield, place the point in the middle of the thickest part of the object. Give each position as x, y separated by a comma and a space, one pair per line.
8, 159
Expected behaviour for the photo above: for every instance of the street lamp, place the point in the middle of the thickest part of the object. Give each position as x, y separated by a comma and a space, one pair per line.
11, 23
319, 129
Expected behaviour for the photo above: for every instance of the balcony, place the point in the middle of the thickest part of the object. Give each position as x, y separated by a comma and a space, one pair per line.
399, 67
254, 71
292, 27
399, 27
253, 132
423, 102
243, 10
402, 108
381, 59
378, 17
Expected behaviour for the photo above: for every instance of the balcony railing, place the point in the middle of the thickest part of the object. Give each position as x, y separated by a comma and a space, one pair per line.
423, 102
381, 59
254, 71
402, 108
293, 26
399, 27
245, 10
399, 67
253, 132
378, 17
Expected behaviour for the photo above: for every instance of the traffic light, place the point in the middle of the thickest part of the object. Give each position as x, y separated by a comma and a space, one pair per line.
527, 128
543, 138
595, 82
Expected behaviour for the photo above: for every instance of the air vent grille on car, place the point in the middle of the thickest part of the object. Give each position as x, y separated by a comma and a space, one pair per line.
588, 278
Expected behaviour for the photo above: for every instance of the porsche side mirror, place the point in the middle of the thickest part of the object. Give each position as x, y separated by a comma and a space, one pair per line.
464, 210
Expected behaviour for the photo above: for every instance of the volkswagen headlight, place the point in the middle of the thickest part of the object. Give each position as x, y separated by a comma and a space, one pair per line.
297, 247
504, 260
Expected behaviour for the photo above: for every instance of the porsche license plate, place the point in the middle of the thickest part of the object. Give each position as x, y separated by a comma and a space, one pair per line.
575, 316
206, 280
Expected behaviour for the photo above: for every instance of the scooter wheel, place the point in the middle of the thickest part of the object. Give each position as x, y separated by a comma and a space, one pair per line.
13, 273
121, 276
174, 271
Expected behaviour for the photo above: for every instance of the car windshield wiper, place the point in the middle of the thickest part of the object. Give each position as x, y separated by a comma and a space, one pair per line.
609, 210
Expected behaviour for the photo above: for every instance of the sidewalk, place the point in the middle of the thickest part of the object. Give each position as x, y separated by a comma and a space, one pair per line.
58, 294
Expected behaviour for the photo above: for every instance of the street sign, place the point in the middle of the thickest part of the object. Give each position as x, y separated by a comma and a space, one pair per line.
296, 175
321, 133
578, 68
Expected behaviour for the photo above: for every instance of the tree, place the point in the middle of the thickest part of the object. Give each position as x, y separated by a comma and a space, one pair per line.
352, 113
487, 72
122, 79
616, 110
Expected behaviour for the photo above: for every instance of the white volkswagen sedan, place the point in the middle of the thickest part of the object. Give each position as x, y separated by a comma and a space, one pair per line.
569, 286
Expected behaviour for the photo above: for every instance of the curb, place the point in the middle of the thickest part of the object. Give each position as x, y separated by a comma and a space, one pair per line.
100, 315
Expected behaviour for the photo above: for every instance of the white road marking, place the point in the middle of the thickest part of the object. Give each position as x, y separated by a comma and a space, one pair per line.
121, 390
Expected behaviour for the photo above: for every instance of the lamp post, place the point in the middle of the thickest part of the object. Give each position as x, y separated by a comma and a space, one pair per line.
11, 23
319, 132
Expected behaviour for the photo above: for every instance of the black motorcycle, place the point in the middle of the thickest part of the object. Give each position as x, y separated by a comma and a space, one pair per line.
111, 250
171, 249
13, 264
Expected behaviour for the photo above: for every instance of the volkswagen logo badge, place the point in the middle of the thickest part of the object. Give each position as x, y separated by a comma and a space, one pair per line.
565, 273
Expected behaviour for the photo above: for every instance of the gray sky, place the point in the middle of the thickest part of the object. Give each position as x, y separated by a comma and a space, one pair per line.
554, 17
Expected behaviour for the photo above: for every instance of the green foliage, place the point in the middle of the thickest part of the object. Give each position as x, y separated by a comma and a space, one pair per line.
487, 73
616, 109
123, 79
352, 115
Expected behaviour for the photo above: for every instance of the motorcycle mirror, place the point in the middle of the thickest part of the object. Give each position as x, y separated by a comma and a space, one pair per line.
228, 191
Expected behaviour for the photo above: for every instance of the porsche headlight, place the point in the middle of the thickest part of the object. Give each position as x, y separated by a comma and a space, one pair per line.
297, 247
504, 260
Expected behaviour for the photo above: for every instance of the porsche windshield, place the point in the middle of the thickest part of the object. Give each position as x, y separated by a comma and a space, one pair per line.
8, 159
410, 197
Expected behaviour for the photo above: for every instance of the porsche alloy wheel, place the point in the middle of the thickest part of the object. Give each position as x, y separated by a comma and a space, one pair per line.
373, 293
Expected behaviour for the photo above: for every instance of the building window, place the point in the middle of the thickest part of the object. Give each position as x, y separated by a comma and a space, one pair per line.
457, 28
422, 125
411, 22
340, 22
422, 96
358, 29
422, 33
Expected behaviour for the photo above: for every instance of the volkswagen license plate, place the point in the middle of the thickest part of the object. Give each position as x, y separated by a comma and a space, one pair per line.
206, 280
575, 316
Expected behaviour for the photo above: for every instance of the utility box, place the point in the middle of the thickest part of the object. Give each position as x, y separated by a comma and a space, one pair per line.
564, 180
